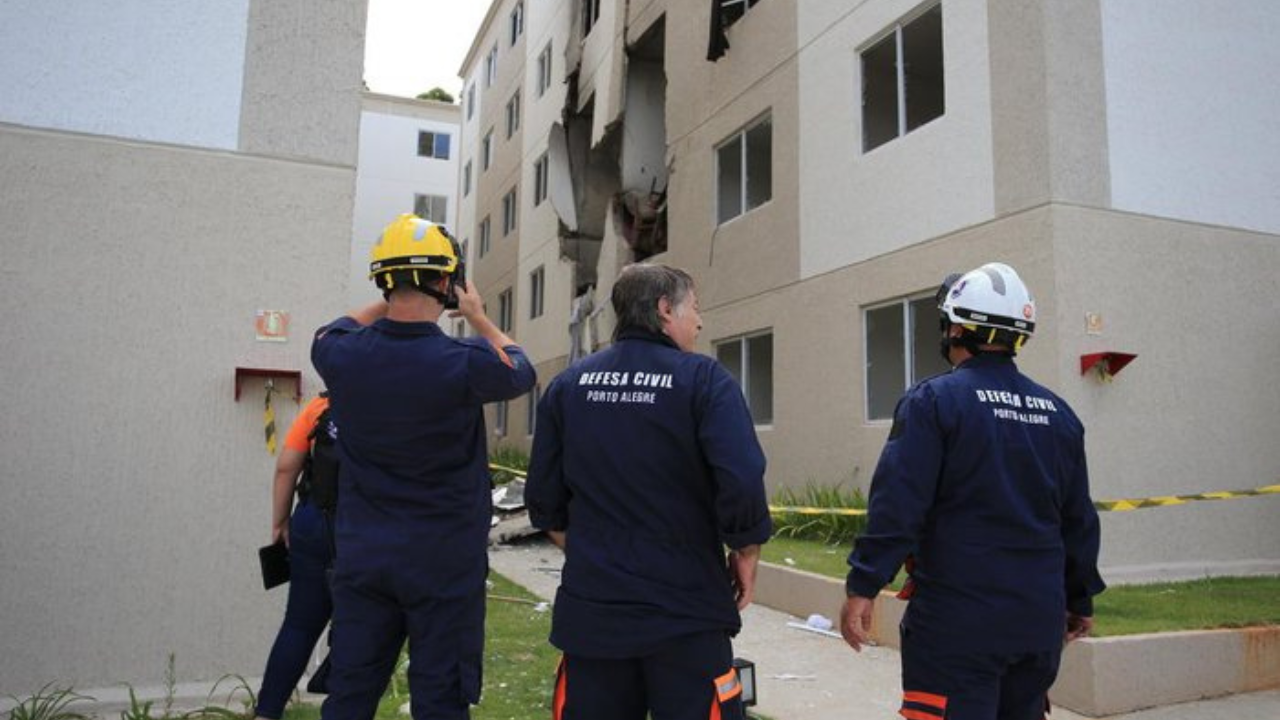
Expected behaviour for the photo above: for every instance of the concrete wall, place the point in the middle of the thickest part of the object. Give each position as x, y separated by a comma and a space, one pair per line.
135, 489
391, 172
1194, 412
303, 76
707, 102
545, 338
1190, 109
1020, 168
167, 72
857, 205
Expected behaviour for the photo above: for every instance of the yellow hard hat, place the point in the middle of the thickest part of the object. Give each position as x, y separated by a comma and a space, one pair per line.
408, 246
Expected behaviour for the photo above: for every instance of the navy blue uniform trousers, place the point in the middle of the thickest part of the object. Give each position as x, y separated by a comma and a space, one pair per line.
380, 602
307, 612
974, 686
674, 683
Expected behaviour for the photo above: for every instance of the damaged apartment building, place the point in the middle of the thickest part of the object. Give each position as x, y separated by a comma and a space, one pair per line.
819, 167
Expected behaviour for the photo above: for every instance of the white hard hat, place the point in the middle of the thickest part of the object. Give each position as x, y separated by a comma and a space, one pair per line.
992, 296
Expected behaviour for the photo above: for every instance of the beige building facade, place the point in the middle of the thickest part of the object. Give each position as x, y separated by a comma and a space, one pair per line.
823, 174
151, 212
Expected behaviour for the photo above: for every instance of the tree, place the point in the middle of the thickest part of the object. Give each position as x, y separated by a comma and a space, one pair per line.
436, 93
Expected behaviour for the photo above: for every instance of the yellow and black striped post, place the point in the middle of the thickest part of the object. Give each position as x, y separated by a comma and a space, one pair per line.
269, 420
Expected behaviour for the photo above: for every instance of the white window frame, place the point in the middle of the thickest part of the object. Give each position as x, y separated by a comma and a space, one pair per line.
517, 23
510, 212
531, 418
438, 139
466, 179
485, 231
486, 151
743, 343
432, 202
500, 411
506, 310
590, 15
544, 70
541, 178
900, 66
745, 171
513, 114
910, 352
537, 292
491, 66
471, 100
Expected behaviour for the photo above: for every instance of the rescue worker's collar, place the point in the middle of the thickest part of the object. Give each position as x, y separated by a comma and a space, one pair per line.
396, 327
987, 359
642, 334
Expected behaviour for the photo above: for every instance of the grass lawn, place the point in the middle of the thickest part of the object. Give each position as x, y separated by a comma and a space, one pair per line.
1121, 610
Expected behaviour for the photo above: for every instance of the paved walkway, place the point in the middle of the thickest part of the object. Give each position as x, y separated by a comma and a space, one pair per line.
807, 676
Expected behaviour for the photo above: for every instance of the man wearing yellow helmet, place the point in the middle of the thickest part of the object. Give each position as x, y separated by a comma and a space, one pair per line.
412, 525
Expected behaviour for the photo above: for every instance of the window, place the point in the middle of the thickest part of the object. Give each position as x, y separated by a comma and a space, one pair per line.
513, 114
486, 151
433, 145
431, 207
471, 100
466, 179
732, 10
483, 232
466, 247
544, 70
517, 22
590, 14
509, 212
541, 167
902, 80
902, 349
531, 419
491, 66
505, 310
744, 170
537, 288
500, 419
750, 360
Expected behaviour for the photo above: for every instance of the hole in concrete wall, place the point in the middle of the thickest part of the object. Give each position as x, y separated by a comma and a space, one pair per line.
640, 209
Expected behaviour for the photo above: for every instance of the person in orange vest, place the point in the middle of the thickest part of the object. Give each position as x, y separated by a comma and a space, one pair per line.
308, 533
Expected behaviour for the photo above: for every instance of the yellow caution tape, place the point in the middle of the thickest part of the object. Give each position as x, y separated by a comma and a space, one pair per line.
1122, 505
794, 510
1127, 504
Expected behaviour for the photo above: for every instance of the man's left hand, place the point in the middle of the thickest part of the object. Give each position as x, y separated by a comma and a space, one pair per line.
742, 572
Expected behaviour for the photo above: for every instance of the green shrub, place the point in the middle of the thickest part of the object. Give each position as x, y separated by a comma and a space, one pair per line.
828, 528
48, 703
507, 457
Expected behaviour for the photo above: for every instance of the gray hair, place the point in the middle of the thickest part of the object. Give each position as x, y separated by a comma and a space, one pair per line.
637, 291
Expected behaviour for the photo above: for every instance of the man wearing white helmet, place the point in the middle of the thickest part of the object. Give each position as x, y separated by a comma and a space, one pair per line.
983, 487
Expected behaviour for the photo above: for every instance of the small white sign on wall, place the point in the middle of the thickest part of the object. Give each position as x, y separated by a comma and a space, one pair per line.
272, 326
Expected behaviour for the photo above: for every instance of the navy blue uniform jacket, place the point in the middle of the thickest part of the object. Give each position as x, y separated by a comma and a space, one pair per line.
983, 478
407, 400
647, 456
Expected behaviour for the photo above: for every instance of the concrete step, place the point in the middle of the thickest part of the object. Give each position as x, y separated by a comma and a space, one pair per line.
1098, 675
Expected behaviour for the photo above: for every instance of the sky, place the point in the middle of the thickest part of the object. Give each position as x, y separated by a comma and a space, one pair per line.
414, 45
